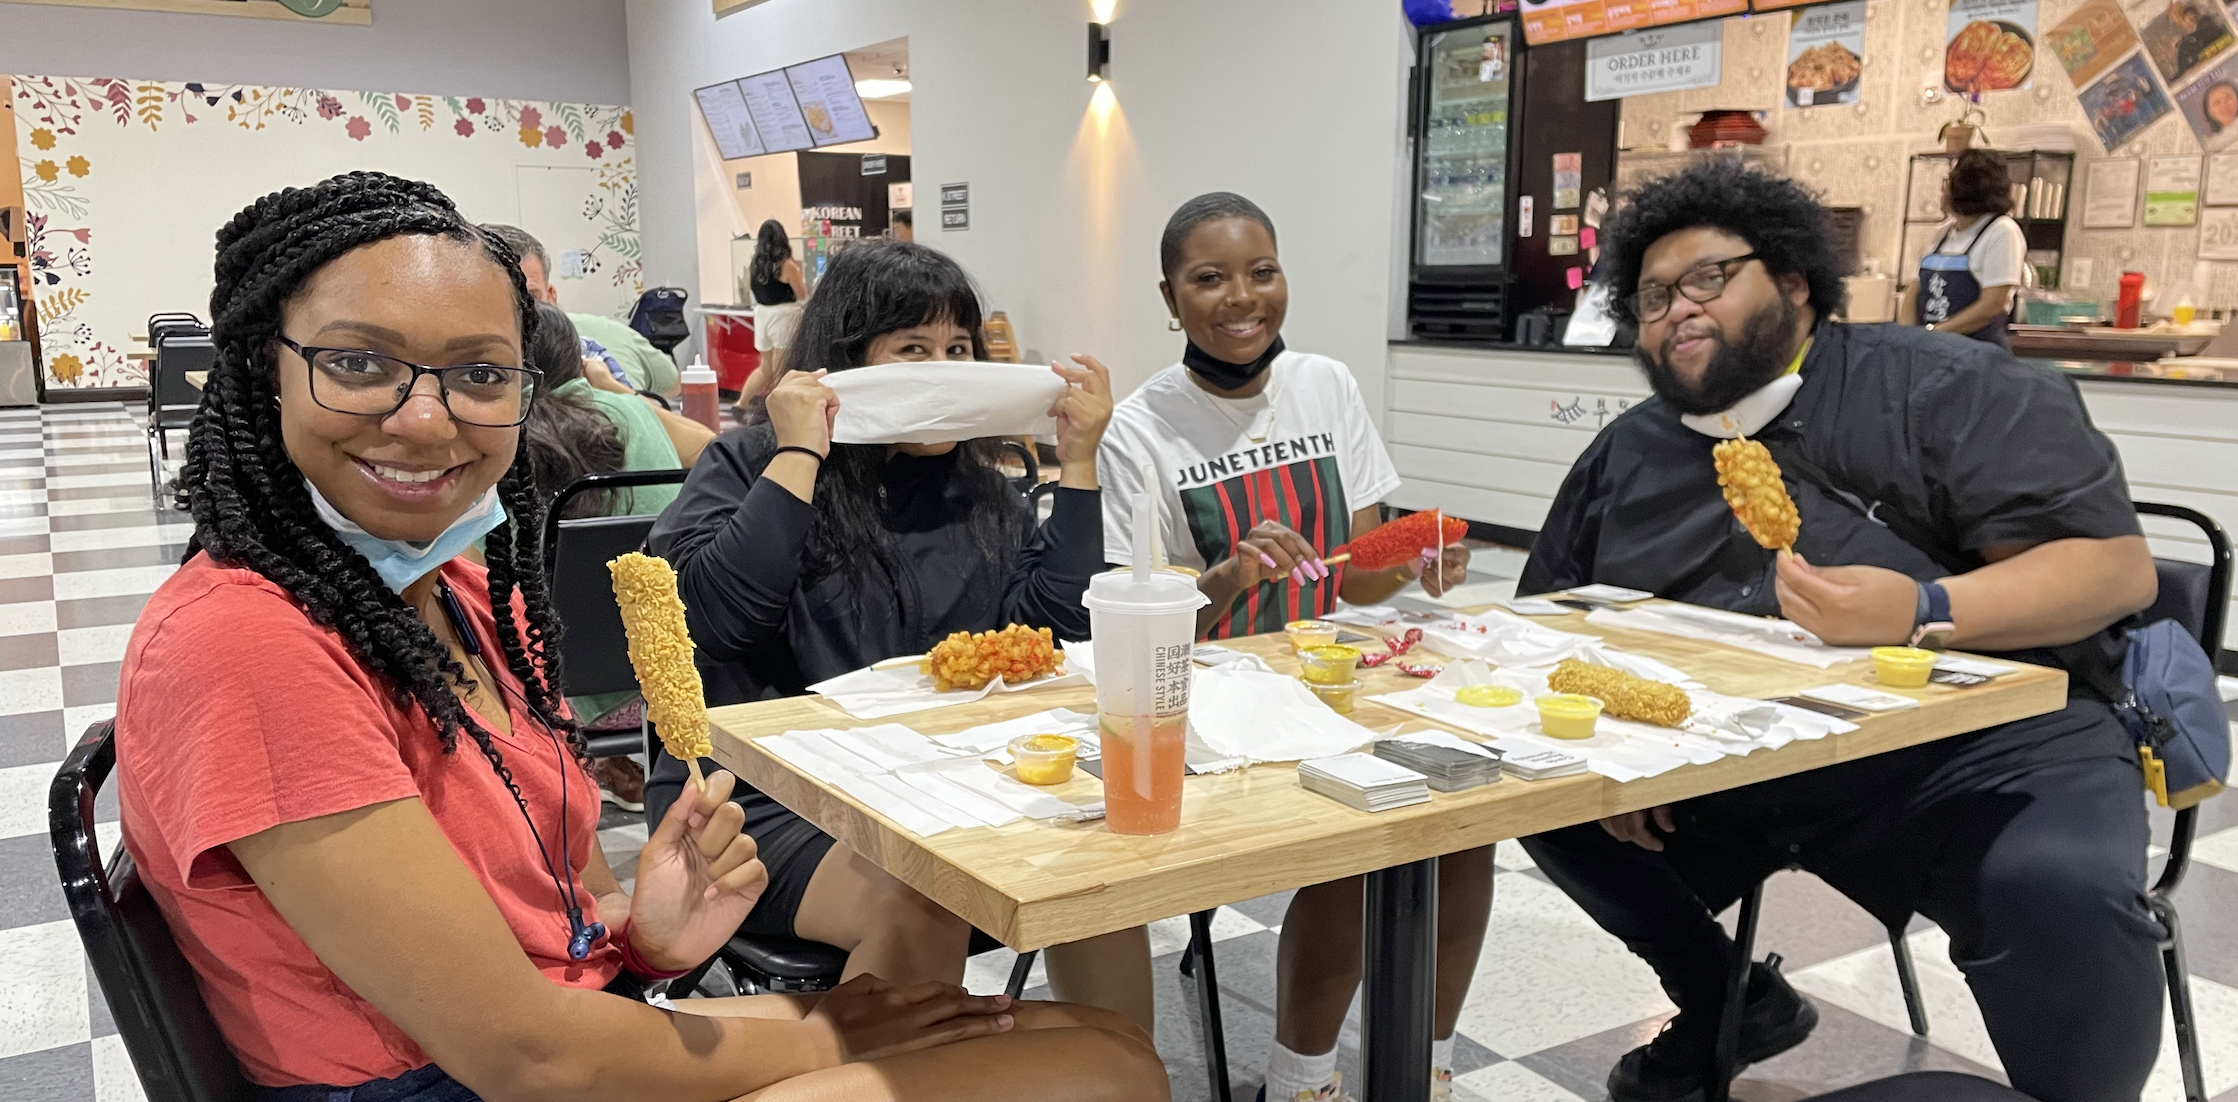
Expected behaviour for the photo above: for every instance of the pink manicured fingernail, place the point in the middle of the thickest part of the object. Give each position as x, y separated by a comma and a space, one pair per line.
1267, 559
1320, 570
1298, 574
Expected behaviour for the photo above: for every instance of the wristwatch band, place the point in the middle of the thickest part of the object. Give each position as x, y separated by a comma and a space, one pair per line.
1931, 622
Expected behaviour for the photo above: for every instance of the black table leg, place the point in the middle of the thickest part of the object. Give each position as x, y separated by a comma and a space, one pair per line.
1399, 954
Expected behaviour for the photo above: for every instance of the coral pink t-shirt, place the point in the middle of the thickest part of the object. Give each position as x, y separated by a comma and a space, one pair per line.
237, 713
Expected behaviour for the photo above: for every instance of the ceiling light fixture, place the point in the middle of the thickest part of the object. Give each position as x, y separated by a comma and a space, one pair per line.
1099, 51
881, 89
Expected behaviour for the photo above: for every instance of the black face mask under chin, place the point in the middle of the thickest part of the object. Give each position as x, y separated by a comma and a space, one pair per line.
1224, 375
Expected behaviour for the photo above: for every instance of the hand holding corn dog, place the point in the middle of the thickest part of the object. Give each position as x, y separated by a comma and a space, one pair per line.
660, 650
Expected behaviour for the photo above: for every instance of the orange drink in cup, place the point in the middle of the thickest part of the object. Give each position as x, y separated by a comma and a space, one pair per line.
1144, 623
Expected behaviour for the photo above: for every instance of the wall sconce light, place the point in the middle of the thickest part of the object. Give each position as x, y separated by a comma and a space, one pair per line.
1099, 51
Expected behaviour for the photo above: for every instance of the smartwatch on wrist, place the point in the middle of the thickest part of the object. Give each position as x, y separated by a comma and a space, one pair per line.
1931, 623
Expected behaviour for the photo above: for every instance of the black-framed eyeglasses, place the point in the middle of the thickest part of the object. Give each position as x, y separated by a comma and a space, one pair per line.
352, 380
1701, 283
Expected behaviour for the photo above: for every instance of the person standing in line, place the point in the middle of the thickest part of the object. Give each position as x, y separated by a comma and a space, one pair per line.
779, 288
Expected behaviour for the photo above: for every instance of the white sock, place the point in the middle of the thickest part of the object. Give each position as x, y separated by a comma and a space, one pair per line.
1289, 1073
1441, 1053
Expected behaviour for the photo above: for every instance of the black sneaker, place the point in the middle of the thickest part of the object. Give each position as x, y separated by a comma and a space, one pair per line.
1675, 1066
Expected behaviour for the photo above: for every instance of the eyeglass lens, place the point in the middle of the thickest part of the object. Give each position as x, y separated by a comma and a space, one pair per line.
368, 383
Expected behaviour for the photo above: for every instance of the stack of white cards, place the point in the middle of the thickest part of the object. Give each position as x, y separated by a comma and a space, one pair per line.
1538, 765
1363, 781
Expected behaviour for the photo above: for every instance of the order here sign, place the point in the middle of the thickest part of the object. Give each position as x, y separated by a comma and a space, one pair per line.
1642, 62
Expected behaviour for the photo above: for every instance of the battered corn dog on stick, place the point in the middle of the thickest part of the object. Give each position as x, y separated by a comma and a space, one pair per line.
1751, 480
660, 650
1621, 694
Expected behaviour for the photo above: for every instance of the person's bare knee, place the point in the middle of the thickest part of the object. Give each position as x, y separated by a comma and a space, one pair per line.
887, 927
1035, 1014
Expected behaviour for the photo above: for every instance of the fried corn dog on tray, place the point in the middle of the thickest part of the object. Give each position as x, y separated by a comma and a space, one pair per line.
1623, 695
1751, 481
660, 650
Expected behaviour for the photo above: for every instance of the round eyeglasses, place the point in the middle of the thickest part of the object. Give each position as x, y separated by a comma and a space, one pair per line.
352, 380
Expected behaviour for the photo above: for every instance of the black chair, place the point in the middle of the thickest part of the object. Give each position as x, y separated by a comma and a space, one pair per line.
2195, 595
151, 990
181, 345
594, 654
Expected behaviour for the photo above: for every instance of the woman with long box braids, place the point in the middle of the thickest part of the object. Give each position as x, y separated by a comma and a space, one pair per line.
348, 777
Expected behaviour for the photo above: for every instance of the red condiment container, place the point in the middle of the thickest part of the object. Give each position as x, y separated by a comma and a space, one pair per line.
2132, 298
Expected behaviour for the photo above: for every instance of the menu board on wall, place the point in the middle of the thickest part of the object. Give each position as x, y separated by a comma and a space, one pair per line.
825, 91
769, 99
724, 108
1547, 21
1645, 62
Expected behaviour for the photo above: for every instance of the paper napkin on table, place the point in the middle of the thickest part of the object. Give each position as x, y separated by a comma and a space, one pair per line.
1781, 639
873, 693
1256, 716
939, 402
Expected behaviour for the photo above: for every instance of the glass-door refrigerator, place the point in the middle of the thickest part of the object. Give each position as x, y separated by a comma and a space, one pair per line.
1464, 101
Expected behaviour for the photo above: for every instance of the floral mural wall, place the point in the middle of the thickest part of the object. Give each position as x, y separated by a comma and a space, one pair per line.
126, 183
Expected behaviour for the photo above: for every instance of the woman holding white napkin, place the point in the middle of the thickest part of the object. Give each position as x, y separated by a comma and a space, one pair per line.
1266, 461
800, 559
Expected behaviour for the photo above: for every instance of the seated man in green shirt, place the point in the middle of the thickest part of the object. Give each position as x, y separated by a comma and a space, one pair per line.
649, 368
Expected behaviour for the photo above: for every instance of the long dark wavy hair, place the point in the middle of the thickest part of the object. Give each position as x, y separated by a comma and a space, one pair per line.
874, 287
771, 250
250, 502
567, 436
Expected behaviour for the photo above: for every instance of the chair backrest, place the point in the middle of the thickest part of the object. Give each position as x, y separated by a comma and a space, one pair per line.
2196, 595
175, 355
160, 325
594, 653
151, 989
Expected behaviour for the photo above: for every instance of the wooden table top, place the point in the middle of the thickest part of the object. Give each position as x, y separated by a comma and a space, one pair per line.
1249, 833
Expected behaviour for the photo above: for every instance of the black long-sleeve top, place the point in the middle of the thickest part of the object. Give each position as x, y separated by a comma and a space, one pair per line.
764, 630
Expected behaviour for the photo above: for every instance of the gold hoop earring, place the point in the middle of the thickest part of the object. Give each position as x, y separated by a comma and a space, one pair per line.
1173, 325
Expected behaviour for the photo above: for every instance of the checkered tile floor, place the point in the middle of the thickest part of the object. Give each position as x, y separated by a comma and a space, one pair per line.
1554, 1003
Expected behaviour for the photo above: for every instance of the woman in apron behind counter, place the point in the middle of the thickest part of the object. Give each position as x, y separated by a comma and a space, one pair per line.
1968, 278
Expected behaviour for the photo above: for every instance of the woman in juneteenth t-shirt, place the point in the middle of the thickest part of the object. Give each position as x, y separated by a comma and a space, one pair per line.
1265, 461
352, 787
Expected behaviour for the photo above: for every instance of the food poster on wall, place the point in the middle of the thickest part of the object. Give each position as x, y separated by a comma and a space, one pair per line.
1826, 54
1546, 21
2172, 191
2088, 42
2182, 36
1646, 62
2121, 104
2210, 105
1991, 45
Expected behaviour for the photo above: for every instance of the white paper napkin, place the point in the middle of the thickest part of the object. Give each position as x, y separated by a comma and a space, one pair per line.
1781, 639
935, 403
1260, 717
873, 693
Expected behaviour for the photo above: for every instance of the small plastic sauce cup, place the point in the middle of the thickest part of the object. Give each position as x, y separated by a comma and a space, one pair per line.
1330, 665
1310, 633
1339, 698
1903, 667
1568, 715
1488, 696
1044, 759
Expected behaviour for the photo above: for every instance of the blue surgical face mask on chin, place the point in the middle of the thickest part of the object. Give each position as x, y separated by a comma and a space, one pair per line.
399, 562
